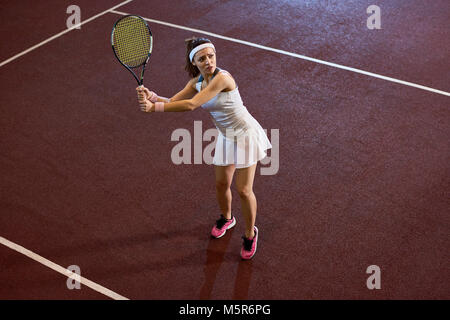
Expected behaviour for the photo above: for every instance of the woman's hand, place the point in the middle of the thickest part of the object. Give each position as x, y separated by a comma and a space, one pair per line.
147, 106
143, 98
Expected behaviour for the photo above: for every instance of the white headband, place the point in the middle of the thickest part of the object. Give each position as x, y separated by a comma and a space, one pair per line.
200, 47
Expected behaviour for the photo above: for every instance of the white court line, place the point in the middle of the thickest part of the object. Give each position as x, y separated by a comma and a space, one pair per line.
295, 55
61, 33
65, 272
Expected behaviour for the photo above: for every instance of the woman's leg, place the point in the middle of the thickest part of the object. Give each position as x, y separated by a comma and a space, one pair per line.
244, 186
224, 177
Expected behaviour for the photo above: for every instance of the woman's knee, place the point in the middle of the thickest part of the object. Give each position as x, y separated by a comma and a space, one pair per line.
224, 176
244, 191
222, 185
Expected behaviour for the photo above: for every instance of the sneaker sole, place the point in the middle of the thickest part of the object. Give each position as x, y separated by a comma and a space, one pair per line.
228, 228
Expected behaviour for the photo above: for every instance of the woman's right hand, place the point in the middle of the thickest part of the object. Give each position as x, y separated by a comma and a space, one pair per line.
142, 94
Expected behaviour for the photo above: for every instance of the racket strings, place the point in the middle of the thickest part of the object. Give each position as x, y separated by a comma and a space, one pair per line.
132, 41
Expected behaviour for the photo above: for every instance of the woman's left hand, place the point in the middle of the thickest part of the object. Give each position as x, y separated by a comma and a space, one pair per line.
147, 106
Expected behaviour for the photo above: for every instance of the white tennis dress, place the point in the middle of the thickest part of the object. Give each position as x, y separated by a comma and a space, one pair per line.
241, 140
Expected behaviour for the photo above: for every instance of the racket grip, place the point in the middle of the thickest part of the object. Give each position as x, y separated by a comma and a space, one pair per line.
141, 95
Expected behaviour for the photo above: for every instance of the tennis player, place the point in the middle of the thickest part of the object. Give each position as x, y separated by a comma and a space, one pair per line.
241, 141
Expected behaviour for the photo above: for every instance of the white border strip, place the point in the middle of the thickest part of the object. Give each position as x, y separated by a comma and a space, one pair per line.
295, 55
61, 33
65, 272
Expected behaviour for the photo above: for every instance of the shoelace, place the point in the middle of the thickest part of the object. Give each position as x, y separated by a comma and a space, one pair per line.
220, 223
248, 244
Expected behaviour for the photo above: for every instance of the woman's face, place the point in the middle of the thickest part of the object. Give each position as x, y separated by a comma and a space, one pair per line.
205, 60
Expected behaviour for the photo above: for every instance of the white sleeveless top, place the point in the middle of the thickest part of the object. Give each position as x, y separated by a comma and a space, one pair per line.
241, 140
228, 112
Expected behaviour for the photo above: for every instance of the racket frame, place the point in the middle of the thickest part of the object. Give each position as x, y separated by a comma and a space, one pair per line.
141, 81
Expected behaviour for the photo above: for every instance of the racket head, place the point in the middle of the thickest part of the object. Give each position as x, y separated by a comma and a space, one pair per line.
132, 42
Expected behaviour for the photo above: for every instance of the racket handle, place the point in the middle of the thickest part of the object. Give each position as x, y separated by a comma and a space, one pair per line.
142, 94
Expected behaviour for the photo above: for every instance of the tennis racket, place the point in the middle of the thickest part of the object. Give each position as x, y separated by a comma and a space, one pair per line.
132, 43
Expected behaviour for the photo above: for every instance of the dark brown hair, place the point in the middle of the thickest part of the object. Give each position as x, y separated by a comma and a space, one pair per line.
191, 43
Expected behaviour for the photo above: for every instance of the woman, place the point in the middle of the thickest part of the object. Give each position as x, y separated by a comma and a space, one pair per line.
241, 141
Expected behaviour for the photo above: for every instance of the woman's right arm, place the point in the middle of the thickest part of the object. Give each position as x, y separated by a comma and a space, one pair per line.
187, 93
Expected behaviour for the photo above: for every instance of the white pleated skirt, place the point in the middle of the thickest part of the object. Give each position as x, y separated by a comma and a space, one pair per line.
243, 151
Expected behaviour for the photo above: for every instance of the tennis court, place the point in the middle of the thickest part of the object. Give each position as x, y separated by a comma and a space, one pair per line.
361, 176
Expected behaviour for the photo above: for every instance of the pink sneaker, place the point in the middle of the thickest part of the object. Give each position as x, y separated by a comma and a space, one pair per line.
222, 225
249, 246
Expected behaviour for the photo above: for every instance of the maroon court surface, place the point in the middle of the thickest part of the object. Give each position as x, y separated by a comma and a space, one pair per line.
87, 179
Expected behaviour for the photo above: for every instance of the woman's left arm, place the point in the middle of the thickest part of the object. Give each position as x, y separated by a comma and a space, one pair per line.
218, 84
